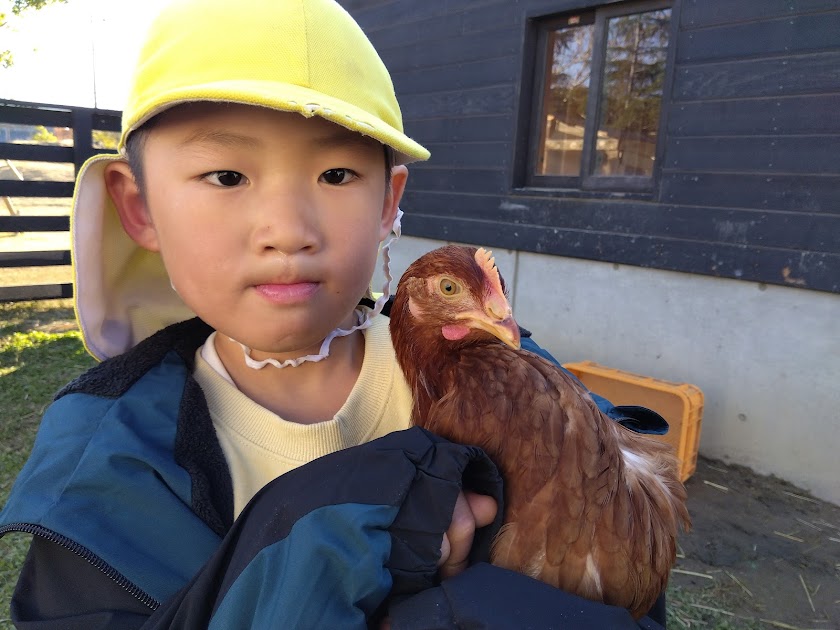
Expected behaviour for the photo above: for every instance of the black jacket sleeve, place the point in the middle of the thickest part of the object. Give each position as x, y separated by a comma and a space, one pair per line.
485, 597
413, 471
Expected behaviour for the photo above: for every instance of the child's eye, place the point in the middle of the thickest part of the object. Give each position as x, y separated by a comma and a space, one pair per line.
226, 179
338, 176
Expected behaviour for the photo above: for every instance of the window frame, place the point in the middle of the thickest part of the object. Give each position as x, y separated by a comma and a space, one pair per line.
586, 180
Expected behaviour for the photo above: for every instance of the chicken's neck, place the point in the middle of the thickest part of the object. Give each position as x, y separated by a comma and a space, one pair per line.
427, 386
416, 346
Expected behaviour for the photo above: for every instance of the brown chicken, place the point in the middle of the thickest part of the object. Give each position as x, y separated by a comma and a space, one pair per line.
590, 506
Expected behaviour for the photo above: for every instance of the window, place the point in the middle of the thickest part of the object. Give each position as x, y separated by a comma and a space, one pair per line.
597, 97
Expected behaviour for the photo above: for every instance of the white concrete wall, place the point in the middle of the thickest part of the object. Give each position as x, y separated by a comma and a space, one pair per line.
766, 357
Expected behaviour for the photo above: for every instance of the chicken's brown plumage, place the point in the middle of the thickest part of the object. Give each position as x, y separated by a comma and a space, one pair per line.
590, 507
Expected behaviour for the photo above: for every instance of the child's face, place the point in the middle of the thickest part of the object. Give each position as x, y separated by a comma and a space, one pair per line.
268, 222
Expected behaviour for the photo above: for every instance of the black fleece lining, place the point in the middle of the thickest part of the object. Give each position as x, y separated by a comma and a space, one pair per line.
115, 376
197, 449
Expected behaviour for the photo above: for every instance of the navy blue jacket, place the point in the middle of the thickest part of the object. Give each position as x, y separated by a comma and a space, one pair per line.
130, 500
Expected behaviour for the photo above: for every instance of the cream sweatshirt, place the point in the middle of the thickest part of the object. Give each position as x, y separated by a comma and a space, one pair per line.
259, 445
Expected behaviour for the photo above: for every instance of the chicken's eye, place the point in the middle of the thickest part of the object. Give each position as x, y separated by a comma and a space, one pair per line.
449, 287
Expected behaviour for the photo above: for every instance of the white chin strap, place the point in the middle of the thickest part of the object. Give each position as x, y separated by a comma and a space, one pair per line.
363, 316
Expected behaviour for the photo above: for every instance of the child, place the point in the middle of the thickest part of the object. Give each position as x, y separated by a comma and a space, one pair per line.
253, 467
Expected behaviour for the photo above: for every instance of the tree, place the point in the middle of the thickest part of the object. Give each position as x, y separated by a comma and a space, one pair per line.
569, 74
106, 139
635, 71
18, 8
43, 135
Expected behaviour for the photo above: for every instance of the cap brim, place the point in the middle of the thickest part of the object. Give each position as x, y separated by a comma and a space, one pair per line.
288, 98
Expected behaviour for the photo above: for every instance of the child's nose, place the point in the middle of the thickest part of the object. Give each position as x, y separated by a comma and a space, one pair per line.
287, 224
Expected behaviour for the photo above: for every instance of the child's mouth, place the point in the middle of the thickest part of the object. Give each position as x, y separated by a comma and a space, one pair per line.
287, 293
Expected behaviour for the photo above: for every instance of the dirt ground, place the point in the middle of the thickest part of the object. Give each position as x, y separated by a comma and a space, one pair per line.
762, 552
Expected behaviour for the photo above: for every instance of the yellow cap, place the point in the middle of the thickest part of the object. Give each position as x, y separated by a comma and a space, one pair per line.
304, 56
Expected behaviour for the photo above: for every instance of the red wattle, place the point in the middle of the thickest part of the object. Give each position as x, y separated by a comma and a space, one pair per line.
453, 332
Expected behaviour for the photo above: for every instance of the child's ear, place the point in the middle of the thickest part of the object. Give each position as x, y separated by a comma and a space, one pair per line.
131, 205
399, 177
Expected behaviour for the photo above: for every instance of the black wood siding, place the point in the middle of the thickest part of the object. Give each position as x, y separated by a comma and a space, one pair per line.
749, 186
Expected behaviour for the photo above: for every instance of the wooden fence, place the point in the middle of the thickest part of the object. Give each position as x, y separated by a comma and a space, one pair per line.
83, 122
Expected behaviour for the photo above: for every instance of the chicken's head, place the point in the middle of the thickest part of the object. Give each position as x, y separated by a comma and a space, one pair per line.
458, 293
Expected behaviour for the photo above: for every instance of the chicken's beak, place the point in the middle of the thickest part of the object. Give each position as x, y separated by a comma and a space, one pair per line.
497, 319
506, 330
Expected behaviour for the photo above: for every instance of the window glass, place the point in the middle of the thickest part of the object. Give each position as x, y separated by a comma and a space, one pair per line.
568, 70
634, 72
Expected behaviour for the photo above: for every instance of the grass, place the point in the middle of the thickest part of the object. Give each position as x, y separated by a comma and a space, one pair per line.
40, 351
704, 608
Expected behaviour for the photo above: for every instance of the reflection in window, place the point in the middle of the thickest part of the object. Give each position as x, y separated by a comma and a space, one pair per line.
599, 97
564, 100
634, 72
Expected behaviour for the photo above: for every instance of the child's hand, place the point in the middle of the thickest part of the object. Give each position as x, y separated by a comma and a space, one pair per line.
471, 511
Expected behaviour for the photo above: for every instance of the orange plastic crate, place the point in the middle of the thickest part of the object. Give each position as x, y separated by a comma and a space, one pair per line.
681, 404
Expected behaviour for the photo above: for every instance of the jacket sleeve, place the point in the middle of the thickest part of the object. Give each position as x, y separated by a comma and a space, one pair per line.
485, 597
320, 547
364, 522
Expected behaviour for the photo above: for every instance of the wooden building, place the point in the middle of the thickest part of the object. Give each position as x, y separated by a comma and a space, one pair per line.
661, 179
